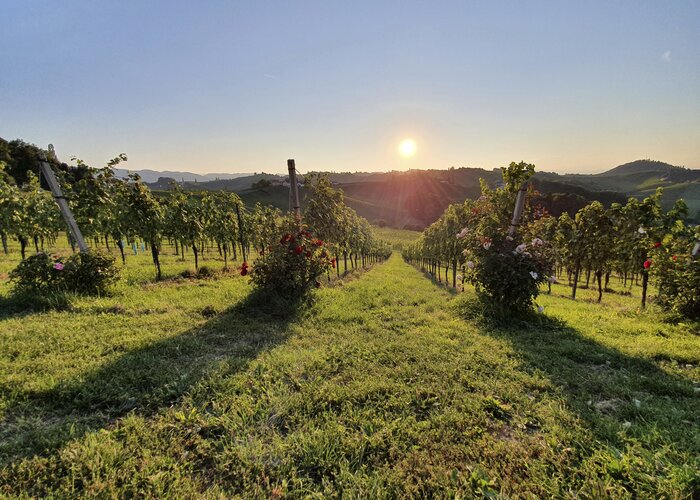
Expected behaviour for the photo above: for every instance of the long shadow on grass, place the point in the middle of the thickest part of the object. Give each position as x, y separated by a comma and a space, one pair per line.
439, 282
25, 304
605, 387
145, 380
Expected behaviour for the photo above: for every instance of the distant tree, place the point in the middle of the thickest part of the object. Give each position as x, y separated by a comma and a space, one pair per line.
267, 222
145, 216
220, 220
184, 221
9, 203
5, 155
262, 184
597, 240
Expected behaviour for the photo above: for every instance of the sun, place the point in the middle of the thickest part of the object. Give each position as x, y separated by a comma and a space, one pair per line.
407, 148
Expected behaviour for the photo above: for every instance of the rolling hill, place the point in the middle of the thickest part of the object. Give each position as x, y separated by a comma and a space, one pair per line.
153, 175
416, 198
640, 179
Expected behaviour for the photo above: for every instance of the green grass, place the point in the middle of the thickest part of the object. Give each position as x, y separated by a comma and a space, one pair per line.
383, 388
397, 237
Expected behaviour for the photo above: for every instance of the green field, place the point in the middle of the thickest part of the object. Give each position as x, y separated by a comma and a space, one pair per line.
387, 386
397, 237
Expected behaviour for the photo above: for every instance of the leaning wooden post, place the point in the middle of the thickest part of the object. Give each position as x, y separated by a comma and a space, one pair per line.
294, 190
60, 199
518, 211
240, 230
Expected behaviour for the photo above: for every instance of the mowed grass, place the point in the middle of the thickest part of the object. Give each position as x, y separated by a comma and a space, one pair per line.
396, 237
385, 387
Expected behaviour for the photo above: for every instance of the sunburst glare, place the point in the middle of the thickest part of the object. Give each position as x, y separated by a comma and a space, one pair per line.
407, 148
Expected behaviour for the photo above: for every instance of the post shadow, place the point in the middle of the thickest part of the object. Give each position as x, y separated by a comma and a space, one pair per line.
145, 380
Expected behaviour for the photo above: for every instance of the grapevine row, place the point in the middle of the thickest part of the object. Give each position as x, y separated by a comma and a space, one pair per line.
125, 212
634, 242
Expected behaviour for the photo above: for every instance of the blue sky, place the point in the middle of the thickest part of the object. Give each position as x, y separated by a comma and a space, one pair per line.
242, 86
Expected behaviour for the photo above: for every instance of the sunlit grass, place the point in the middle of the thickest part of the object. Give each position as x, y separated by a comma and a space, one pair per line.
382, 388
396, 237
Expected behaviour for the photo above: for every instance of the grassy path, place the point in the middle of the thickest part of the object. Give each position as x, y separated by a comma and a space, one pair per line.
381, 389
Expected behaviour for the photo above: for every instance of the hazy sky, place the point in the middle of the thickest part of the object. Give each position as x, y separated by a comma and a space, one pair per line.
242, 86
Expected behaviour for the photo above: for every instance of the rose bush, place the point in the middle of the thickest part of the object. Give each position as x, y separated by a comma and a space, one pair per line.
293, 266
505, 271
678, 273
507, 274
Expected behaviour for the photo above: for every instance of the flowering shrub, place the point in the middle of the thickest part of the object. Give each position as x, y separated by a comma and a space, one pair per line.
678, 274
507, 274
505, 270
681, 288
293, 266
38, 273
86, 273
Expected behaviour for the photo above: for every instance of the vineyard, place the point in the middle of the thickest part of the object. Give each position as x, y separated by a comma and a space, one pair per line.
125, 214
615, 248
396, 380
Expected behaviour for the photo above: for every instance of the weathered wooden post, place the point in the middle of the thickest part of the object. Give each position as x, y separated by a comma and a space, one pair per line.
240, 231
518, 211
60, 199
294, 190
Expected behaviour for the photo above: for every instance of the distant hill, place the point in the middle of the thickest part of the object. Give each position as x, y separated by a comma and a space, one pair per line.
153, 175
416, 198
410, 200
649, 166
239, 183
640, 179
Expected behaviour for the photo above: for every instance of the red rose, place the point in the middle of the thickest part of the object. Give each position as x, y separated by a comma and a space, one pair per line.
647, 264
675, 258
308, 254
298, 250
657, 244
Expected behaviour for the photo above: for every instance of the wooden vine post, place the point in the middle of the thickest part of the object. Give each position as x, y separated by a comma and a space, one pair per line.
294, 191
240, 230
60, 199
518, 211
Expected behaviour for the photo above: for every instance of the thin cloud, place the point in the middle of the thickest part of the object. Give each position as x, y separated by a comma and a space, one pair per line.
666, 56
